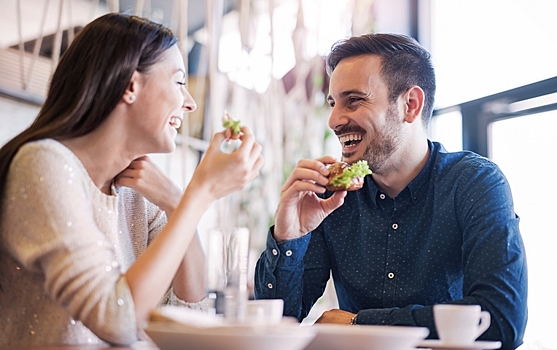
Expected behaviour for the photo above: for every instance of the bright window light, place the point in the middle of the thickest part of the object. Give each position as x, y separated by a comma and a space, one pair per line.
324, 22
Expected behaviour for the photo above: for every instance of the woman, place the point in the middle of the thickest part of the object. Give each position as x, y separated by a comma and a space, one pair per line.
87, 249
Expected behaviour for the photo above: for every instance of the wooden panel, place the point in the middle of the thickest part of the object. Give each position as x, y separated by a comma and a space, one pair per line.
11, 77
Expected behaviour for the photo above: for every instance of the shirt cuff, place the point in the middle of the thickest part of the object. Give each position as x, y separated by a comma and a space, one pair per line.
286, 253
374, 316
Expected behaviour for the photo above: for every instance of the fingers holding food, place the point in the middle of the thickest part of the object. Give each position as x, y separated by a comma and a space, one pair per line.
311, 173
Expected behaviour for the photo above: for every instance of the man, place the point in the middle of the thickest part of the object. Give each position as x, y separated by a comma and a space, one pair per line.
428, 227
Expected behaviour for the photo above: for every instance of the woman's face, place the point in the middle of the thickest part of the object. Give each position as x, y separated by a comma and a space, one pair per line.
161, 100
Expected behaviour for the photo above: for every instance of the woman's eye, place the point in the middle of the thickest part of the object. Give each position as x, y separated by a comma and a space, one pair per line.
183, 83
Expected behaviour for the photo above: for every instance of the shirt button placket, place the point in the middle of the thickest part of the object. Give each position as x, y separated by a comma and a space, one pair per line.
391, 275
392, 263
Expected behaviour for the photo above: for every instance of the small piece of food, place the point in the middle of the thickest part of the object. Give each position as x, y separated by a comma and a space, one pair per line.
346, 177
232, 125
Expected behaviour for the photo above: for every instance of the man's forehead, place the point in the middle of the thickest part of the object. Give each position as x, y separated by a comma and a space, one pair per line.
354, 78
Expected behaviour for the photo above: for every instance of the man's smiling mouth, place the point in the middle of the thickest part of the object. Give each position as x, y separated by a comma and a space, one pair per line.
350, 140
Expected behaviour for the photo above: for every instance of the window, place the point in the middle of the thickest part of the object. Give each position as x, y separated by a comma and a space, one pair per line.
489, 57
524, 148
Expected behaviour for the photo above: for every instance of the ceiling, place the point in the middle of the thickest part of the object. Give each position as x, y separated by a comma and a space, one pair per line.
162, 10
28, 20
77, 13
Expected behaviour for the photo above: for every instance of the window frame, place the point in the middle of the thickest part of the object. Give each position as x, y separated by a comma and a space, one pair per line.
478, 114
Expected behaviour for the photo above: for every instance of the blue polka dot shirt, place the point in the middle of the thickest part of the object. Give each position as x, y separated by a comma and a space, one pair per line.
451, 236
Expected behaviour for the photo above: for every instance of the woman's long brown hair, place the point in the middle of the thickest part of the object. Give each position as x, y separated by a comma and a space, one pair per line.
90, 79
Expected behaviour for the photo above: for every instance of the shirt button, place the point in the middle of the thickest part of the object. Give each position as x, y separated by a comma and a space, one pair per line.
270, 285
382, 196
395, 226
275, 252
288, 253
391, 275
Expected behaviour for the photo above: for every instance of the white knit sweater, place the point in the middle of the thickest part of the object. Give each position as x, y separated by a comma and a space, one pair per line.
65, 246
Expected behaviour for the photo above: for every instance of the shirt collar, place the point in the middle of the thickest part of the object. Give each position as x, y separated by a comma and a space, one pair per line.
418, 185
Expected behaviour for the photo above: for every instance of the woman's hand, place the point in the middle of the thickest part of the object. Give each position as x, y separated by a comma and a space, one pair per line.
221, 173
144, 176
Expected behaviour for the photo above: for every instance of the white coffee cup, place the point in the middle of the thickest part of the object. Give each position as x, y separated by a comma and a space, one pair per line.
460, 324
264, 311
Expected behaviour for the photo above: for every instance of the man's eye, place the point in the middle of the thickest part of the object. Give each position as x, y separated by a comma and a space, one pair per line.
331, 104
183, 83
354, 99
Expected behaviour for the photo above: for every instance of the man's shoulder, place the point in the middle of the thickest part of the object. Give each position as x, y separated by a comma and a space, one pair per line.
459, 161
465, 168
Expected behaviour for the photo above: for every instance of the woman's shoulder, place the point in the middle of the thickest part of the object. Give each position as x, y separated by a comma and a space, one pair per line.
45, 160
45, 150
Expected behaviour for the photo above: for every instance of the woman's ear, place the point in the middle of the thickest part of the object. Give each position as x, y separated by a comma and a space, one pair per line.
414, 103
130, 95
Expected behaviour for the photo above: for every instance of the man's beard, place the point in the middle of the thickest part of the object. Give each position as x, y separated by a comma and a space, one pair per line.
386, 142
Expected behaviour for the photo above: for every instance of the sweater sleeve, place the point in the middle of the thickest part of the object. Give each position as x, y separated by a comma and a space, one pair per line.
55, 230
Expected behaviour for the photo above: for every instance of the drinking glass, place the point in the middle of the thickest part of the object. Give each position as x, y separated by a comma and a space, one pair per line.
227, 272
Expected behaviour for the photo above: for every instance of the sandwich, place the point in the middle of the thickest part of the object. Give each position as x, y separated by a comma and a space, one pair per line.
346, 177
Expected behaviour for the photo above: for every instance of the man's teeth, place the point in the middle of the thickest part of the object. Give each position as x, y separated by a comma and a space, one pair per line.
175, 122
352, 137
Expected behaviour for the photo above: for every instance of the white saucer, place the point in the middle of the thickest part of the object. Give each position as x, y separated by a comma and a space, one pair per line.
477, 345
365, 337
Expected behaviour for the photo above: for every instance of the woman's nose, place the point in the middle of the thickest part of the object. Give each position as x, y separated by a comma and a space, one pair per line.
189, 103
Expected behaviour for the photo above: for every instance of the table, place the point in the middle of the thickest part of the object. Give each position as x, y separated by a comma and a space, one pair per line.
140, 345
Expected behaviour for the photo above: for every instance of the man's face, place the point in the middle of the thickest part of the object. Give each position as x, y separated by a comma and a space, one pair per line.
367, 125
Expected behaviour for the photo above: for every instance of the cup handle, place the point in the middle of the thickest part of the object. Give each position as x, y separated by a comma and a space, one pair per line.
485, 321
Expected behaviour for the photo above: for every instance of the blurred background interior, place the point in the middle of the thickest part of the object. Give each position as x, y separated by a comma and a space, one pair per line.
262, 60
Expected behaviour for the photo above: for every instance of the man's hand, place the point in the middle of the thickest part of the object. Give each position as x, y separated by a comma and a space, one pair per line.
336, 316
300, 210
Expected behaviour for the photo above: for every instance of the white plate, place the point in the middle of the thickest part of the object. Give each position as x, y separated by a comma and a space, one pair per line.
477, 345
363, 337
177, 336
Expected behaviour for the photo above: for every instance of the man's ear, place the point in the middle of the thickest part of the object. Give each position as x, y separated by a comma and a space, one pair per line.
414, 103
130, 95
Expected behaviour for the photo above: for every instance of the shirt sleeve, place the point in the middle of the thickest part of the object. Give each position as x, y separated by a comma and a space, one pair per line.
280, 274
493, 260
172, 299
53, 231
157, 220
